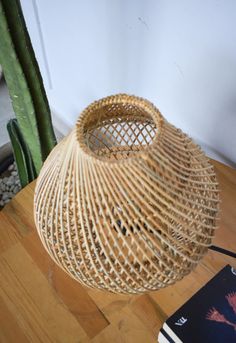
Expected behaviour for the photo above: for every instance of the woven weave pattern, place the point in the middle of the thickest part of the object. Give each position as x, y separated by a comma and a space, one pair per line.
126, 202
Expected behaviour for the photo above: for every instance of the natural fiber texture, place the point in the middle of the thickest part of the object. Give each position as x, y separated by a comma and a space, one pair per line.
126, 202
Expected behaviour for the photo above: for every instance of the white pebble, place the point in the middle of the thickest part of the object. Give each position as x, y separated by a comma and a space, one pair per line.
15, 189
5, 196
5, 179
12, 178
11, 167
3, 187
9, 186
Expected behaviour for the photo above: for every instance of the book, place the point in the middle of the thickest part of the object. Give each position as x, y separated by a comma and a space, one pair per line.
209, 316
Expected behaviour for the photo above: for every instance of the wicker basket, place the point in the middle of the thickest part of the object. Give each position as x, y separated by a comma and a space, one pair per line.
126, 202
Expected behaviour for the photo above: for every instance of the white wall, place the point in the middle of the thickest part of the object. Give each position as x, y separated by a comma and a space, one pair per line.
181, 55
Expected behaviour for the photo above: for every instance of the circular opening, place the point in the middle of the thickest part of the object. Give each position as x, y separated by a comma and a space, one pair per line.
118, 128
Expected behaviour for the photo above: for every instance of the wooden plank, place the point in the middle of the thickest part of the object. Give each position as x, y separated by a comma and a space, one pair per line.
9, 328
149, 313
16, 220
70, 292
9, 235
19, 210
27, 294
109, 303
125, 327
130, 316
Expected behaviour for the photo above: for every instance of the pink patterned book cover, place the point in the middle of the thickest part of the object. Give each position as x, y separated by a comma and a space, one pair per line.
209, 316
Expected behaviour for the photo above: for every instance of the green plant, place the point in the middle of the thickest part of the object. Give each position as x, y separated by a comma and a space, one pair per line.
25, 83
22, 154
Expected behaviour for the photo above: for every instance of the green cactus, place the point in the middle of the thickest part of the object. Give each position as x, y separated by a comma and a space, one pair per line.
25, 83
21, 153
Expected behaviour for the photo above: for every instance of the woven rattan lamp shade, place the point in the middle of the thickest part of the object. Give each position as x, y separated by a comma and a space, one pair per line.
126, 202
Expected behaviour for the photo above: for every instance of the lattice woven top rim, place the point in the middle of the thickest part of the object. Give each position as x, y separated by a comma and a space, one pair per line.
146, 106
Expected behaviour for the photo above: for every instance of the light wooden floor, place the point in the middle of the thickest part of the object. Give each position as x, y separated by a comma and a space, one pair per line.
40, 303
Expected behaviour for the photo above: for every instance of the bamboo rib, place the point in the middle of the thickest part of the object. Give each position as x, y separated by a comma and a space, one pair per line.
126, 202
